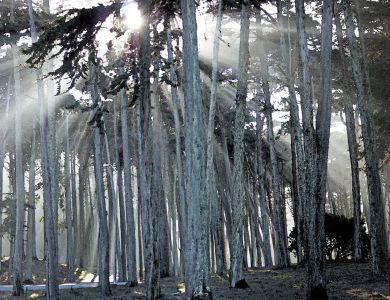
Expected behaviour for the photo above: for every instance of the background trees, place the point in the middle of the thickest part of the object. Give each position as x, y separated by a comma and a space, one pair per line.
135, 155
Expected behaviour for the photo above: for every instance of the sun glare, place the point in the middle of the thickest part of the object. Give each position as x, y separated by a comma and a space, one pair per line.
131, 15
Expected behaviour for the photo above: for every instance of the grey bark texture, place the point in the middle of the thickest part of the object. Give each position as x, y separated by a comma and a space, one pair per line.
101, 203
19, 196
352, 146
144, 132
128, 195
237, 278
195, 149
377, 217
68, 206
281, 260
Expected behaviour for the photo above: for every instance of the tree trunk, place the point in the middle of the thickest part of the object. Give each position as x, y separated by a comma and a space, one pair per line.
197, 204
68, 205
179, 161
144, 132
352, 147
130, 227
316, 262
210, 173
101, 203
237, 278
281, 260
120, 223
31, 207
377, 218
19, 218
264, 210
296, 136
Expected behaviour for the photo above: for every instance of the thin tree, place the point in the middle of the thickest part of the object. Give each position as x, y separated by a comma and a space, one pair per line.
19, 230
364, 98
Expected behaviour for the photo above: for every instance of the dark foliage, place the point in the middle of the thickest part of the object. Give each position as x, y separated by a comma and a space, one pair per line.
74, 35
338, 238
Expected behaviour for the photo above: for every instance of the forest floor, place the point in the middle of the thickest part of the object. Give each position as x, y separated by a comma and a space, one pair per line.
345, 281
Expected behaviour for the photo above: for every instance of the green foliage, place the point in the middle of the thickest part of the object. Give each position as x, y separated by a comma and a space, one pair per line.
338, 238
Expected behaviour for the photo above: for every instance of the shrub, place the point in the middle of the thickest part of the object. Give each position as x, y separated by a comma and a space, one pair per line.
338, 238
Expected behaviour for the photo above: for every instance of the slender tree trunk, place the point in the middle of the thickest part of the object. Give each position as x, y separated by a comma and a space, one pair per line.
210, 173
83, 168
316, 262
237, 278
265, 217
130, 227
352, 147
377, 218
144, 132
68, 205
19, 218
158, 192
31, 207
121, 230
281, 260
75, 215
296, 135
101, 203
179, 161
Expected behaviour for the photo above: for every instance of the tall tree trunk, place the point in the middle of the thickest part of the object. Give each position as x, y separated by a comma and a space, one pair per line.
179, 160
377, 218
316, 262
158, 192
197, 204
130, 227
307, 118
31, 207
19, 218
68, 205
296, 135
121, 231
352, 147
281, 260
83, 168
101, 203
75, 215
210, 172
144, 132
237, 278
264, 210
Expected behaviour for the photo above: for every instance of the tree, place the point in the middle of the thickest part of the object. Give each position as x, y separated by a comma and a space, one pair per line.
377, 218
103, 228
236, 268
197, 204
19, 230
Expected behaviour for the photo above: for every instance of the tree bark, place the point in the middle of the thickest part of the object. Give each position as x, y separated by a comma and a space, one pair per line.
237, 278
101, 203
281, 260
19, 217
377, 218
352, 147
262, 202
195, 147
130, 227
68, 205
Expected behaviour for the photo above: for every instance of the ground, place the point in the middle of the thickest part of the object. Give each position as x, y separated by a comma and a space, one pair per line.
345, 281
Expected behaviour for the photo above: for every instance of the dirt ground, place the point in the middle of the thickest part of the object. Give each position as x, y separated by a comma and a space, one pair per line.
344, 281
